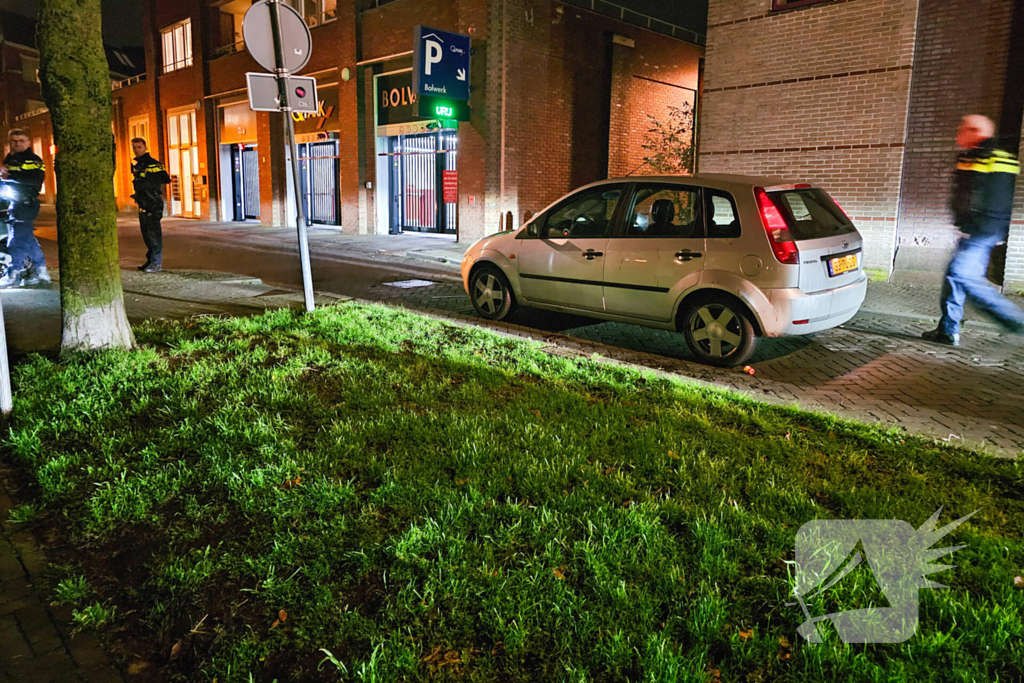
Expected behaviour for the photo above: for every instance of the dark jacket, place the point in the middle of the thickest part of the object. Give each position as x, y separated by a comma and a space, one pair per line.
27, 174
982, 197
149, 178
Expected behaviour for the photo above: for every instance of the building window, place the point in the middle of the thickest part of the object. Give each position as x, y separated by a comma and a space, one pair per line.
790, 4
30, 69
177, 41
315, 12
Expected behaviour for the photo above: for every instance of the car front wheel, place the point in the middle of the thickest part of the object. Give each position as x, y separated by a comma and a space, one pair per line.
491, 293
719, 332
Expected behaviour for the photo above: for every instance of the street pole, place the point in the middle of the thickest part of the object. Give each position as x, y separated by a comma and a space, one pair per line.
6, 398
289, 128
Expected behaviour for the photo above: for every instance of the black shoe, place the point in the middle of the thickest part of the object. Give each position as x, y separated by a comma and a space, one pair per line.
152, 268
940, 337
144, 266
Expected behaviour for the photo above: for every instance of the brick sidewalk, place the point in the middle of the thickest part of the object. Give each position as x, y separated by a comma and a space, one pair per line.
876, 368
35, 646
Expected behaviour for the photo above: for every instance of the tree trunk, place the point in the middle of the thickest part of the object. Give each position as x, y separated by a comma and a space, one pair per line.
76, 87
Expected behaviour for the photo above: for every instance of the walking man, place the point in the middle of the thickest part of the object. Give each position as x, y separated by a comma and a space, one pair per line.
23, 174
149, 178
981, 202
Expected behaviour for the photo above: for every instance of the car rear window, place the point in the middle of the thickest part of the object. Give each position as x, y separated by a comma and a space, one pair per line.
811, 214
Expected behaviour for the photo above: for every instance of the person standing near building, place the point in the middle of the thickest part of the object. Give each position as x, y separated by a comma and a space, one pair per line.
23, 174
982, 203
148, 178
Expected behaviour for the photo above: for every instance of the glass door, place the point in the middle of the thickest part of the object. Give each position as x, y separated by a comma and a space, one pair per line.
183, 163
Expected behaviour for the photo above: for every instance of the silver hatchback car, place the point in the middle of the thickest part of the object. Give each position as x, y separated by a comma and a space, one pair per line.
723, 259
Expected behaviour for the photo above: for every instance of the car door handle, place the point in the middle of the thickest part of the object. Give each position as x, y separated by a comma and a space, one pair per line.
686, 255
590, 254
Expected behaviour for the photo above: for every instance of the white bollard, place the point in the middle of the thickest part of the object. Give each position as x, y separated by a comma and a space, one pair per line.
6, 398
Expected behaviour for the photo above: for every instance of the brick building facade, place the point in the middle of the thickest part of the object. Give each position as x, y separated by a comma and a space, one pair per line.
561, 96
862, 97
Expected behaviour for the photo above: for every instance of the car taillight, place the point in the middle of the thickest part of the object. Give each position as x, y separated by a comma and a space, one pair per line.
778, 232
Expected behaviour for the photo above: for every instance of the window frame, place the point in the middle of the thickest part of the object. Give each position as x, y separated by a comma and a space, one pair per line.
709, 194
614, 223
620, 232
169, 47
783, 5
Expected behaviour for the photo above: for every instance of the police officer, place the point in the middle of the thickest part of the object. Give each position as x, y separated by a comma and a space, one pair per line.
982, 203
149, 178
23, 174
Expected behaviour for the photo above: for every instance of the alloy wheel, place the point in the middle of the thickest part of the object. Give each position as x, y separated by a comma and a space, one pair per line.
717, 330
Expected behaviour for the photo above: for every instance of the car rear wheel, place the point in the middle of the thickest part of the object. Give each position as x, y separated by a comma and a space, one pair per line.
491, 293
719, 332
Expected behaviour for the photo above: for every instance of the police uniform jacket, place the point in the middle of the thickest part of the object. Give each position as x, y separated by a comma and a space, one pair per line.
149, 178
982, 196
27, 174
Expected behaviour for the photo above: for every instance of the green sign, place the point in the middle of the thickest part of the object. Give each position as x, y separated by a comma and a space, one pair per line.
428, 107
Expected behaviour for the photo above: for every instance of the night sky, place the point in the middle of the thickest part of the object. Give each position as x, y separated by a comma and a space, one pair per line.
122, 23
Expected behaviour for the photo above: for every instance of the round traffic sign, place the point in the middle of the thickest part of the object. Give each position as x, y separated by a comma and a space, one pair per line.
296, 42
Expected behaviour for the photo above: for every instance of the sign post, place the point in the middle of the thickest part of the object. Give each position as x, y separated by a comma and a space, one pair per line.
265, 23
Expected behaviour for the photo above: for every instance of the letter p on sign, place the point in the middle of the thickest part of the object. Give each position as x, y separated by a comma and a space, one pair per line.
433, 55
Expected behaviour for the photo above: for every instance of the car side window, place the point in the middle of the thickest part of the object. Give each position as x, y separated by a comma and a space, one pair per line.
588, 214
723, 219
665, 211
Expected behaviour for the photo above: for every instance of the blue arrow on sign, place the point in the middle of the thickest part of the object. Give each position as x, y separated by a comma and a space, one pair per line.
441, 64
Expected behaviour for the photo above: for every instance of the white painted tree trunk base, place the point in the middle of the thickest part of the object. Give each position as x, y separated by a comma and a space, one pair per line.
97, 328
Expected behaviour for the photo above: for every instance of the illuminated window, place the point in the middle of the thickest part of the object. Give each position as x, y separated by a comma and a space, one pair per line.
177, 44
790, 4
30, 69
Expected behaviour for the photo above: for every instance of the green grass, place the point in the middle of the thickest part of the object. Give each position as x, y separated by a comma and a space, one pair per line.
430, 502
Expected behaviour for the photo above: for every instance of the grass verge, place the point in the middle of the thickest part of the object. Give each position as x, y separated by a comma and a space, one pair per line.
366, 494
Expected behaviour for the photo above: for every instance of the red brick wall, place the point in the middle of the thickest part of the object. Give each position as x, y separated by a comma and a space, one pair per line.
960, 68
816, 94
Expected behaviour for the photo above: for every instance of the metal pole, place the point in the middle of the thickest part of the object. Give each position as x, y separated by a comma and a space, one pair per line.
6, 399
289, 127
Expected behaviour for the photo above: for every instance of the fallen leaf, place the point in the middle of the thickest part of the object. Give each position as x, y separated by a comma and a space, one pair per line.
536, 412
461, 480
746, 634
274, 625
176, 650
831, 435
673, 455
1018, 582
559, 573
282, 616
787, 436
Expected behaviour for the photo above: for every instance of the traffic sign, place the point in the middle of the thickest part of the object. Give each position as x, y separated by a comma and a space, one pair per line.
440, 64
265, 94
296, 42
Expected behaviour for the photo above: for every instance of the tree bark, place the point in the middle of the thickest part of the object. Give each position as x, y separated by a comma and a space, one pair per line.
76, 87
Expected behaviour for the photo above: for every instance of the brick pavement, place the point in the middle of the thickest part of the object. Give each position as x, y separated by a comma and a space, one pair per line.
874, 369
35, 645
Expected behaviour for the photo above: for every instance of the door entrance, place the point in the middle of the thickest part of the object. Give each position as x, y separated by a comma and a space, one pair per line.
245, 181
417, 167
319, 170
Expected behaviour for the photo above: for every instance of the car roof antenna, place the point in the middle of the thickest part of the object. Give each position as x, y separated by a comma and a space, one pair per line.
646, 161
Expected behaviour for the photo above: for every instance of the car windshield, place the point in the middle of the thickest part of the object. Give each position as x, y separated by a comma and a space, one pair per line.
811, 214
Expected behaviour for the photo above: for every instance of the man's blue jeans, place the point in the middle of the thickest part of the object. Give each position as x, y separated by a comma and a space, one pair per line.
23, 246
965, 278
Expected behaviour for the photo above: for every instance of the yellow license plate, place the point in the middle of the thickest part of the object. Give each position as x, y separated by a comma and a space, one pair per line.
842, 264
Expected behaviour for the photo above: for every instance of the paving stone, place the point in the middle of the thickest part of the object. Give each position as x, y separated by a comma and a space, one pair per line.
12, 641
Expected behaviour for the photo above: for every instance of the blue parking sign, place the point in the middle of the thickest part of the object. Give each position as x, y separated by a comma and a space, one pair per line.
440, 64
